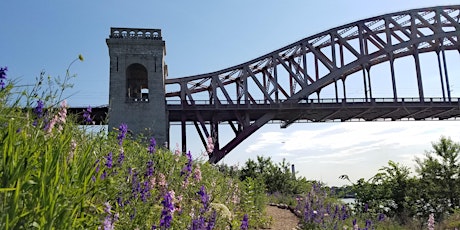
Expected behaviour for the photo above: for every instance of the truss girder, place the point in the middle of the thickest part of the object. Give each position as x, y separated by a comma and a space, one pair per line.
291, 74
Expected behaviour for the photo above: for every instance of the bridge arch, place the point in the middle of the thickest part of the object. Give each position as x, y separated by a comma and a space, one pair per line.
285, 85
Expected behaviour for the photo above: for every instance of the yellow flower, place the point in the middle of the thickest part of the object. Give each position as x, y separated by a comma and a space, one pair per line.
80, 57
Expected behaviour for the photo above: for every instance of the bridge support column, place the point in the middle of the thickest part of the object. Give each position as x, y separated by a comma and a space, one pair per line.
419, 75
184, 133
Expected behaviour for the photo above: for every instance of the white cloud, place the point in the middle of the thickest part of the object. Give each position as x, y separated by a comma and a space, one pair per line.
264, 140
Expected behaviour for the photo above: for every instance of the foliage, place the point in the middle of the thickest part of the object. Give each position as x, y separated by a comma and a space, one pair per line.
412, 200
439, 179
277, 177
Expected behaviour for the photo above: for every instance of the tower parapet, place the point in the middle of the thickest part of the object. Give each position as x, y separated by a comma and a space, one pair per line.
135, 33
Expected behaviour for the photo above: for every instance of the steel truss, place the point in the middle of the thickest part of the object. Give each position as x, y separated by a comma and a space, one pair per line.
285, 84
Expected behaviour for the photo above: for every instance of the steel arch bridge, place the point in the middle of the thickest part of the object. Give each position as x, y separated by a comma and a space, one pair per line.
286, 85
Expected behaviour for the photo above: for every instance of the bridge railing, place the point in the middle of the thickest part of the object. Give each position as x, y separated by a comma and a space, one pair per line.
319, 101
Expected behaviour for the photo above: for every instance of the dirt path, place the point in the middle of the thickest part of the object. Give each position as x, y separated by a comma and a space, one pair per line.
283, 219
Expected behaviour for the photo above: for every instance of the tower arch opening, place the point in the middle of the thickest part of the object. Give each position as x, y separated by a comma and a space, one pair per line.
137, 87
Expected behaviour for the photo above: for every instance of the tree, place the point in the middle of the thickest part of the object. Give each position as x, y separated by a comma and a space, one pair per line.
400, 186
439, 178
390, 191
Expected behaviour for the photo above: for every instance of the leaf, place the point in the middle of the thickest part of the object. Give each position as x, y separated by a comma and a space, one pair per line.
7, 189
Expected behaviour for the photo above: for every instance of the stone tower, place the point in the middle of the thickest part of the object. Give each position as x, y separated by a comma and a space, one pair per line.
137, 75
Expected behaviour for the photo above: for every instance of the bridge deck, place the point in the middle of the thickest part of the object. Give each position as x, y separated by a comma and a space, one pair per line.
313, 112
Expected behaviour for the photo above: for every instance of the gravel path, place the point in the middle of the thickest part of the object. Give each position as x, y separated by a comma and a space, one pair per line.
283, 219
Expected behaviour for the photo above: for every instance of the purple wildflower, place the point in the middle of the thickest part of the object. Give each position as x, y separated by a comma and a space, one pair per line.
145, 192
107, 207
149, 171
355, 225
204, 198
198, 224
3, 77
136, 185
212, 221
108, 225
39, 108
123, 129
109, 162
368, 223
188, 167
87, 115
166, 213
152, 145
381, 217
244, 222
121, 157
120, 200
133, 214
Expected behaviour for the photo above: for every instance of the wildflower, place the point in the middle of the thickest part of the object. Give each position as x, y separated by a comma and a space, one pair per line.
58, 119
212, 220
39, 108
152, 182
73, 147
121, 157
120, 200
244, 222
62, 115
166, 213
222, 210
381, 217
87, 115
145, 191
210, 145
109, 162
149, 171
355, 225
197, 173
133, 214
188, 167
204, 199
152, 145
161, 180
178, 200
108, 225
198, 224
107, 207
136, 185
368, 224
123, 129
431, 222
3, 77
49, 126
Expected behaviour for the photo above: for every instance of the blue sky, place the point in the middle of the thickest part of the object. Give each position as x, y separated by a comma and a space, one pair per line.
206, 36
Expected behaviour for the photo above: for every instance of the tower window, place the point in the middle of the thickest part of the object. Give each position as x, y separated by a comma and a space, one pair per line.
137, 88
